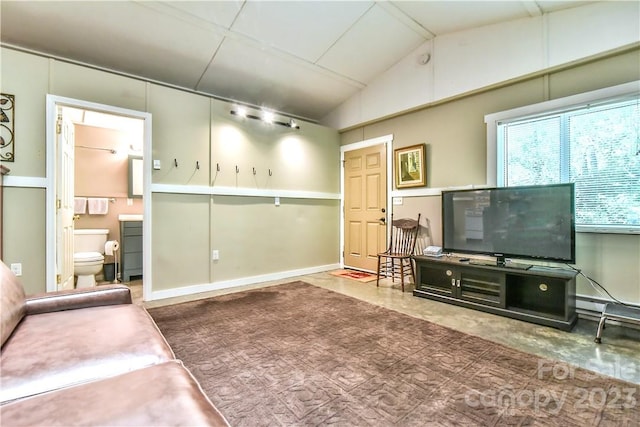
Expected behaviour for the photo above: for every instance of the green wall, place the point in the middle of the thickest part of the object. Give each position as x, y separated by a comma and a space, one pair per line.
456, 138
254, 237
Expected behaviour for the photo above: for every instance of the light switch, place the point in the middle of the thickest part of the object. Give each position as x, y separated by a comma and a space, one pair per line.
156, 164
277, 201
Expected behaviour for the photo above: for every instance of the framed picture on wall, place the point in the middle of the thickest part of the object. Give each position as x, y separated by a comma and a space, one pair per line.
411, 170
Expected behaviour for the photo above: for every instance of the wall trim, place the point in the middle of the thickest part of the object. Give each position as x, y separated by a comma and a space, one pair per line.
237, 191
233, 283
24, 181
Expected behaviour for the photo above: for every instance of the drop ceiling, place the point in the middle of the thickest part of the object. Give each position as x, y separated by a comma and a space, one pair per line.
302, 58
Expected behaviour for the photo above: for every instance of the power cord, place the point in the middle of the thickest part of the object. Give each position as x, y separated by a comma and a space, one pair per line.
599, 287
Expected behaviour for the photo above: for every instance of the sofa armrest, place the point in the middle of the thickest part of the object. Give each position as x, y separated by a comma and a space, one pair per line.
78, 298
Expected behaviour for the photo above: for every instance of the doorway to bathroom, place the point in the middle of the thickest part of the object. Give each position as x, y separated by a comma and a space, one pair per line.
95, 181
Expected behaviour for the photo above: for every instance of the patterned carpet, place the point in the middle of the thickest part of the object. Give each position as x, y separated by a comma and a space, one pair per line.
299, 355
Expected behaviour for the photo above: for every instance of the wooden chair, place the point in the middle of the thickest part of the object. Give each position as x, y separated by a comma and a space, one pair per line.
397, 258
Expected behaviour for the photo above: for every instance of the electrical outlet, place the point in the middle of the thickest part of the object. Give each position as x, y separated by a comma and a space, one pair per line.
215, 255
17, 268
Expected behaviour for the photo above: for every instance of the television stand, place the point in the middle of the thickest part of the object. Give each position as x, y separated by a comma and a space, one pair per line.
538, 295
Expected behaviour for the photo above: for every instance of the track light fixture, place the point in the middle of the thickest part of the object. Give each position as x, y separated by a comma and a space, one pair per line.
265, 116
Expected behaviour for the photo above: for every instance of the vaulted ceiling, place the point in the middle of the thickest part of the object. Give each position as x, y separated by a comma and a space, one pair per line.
299, 57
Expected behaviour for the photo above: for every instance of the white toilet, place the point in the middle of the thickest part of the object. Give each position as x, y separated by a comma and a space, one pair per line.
88, 257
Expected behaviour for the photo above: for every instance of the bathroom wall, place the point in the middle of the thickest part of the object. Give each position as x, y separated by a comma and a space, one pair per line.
101, 173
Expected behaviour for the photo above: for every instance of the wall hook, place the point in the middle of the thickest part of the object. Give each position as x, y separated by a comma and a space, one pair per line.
218, 167
175, 162
237, 170
270, 172
197, 164
254, 171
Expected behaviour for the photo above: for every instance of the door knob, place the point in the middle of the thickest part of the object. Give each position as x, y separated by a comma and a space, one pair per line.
383, 219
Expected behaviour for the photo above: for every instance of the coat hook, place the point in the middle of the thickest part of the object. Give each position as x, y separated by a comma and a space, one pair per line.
237, 170
269, 172
218, 167
254, 171
175, 162
197, 164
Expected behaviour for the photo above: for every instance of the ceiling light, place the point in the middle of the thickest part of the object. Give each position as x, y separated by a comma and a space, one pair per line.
266, 116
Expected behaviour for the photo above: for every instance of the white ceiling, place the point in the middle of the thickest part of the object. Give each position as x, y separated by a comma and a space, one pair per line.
298, 57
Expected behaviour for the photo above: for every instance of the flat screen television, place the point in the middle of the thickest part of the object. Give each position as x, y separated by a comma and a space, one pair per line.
528, 222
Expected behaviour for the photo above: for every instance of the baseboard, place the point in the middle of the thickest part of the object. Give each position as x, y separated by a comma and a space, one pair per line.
233, 283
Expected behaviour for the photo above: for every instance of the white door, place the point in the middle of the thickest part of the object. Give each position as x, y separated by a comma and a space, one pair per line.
365, 198
64, 201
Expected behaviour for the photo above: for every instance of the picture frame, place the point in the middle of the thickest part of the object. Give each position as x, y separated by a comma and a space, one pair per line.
410, 165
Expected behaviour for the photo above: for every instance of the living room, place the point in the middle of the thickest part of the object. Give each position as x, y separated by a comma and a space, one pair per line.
190, 210
209, 221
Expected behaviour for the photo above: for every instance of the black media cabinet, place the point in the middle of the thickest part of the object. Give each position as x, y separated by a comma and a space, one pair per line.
546, 296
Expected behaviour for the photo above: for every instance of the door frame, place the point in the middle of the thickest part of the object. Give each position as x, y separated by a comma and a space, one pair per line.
387, 140
52, 102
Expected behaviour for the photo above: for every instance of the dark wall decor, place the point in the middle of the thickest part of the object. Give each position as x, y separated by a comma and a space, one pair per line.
7, 115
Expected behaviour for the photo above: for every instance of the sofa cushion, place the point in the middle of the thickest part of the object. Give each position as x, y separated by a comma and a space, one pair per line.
12, 306
161, 395
53, 350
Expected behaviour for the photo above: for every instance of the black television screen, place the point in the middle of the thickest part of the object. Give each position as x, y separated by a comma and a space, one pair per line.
531, 222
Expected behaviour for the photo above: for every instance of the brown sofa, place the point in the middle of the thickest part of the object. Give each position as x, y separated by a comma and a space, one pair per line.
90, 357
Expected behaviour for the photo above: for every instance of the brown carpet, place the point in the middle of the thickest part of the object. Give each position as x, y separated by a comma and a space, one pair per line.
299, 355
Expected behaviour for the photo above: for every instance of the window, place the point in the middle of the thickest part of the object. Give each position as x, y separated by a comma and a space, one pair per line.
594, 143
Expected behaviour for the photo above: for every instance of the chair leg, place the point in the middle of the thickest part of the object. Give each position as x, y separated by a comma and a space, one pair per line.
401, 274
598, 338
393, 270
378, 273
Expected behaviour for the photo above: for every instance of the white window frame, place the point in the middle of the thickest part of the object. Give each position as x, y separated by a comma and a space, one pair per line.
597, 96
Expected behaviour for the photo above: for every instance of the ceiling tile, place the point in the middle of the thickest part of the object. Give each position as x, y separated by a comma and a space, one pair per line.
278, 83
303, 28
443, 17
376, 42
553, 5
221, 13
123, 36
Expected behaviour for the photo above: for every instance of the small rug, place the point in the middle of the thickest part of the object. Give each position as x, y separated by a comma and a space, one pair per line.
299, 355
359, 276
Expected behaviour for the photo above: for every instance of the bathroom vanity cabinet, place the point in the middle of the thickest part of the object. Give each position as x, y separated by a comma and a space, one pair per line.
131, 249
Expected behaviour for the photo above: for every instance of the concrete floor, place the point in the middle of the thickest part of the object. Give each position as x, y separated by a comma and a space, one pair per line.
618, 356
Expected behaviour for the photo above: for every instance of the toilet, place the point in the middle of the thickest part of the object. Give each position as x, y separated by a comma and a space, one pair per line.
88, 257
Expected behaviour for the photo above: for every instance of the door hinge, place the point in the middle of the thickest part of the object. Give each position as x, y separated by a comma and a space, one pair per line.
58, 127
58, 203
58, 279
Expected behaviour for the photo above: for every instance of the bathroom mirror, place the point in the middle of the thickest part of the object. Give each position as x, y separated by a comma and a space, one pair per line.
135, 177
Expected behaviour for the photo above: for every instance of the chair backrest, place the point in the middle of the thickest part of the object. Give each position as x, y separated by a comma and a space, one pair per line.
404, 235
